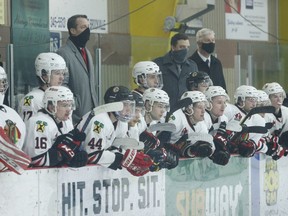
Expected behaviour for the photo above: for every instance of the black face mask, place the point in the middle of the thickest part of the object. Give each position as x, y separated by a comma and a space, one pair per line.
81, 39
179, 56
208, 47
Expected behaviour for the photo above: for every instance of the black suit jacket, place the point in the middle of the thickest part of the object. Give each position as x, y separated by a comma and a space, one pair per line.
215, 71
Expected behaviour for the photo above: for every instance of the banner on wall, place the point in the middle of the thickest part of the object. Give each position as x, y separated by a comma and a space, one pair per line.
200, 187
273, 187
246, 19
96, 11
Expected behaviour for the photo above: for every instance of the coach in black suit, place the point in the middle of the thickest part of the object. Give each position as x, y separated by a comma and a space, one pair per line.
205, 60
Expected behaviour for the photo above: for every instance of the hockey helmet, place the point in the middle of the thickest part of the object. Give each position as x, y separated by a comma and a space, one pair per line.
45, 63
54, 94
141, 71
156, 95
214, 91
244, 91
263, 98
118, 94
196, 78
196, 96
273, 88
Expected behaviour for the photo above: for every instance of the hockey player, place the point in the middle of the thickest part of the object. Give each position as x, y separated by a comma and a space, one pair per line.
137, 124
198, 81
51, 139
246, 98
50, 69
216, 122
278, 132
11, 123
217, 99
191, 136
102, 130
146, 74
156, 103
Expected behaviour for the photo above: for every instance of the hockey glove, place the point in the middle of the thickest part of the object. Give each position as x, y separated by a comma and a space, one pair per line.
163, 159
247, 148
283, 140
150, 141
221, 154
69, 143
137, 163
80, 159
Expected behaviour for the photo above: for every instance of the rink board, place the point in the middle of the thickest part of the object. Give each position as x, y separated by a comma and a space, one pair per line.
256, 186
91, 190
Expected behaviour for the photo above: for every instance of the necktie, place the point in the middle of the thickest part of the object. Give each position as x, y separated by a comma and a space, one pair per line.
84, 55
207, 62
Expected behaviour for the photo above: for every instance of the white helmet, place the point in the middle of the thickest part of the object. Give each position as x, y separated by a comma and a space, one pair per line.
245, 91
45, 63
263, 98
54, 94
142, 69
273, 88
214, 91
3, 81
196, 96
156, 95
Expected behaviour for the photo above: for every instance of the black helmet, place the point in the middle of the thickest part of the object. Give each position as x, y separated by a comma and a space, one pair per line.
138, 98
197, 77
117, 93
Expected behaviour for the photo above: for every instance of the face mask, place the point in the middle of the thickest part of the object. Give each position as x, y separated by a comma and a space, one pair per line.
179, 56
208, 47
82, 38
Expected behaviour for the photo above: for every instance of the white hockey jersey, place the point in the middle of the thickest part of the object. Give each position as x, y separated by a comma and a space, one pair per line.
9, 116
100, 134
31, 103
42, 132
279, 124
236, 114
184, 127
213, 126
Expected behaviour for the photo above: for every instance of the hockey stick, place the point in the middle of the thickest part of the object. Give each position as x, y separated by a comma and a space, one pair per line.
110, 107
162, 127
128, 143
179, 105
255, 110
236, 127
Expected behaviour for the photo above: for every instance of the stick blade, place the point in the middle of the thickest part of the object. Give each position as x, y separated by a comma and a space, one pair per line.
110, 107
263, 109
128, 143
162, 127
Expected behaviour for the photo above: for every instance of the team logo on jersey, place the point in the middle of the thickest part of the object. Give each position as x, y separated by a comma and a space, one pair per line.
27, 100
172, 117
98, 127
238, 117
12, 131
41, 126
